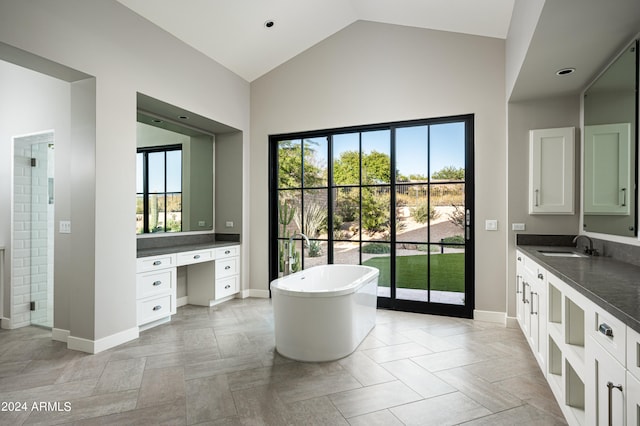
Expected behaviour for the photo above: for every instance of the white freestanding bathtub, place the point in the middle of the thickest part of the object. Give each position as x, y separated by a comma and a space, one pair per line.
323, 313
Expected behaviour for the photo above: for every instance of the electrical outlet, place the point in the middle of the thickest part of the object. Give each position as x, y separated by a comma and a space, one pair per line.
491, 225
201, 223
517, 227
65, 227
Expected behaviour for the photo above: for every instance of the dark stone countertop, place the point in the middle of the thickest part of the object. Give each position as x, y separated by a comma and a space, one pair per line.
155, 251
611, 284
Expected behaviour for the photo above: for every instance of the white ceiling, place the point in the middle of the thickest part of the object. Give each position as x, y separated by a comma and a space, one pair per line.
232, 32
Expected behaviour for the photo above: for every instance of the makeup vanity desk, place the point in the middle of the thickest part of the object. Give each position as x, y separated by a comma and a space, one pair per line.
213, 276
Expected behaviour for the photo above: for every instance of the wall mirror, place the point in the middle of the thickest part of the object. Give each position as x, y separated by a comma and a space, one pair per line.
610, 148
174, 168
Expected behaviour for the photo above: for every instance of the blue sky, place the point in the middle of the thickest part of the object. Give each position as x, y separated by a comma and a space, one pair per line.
447, 146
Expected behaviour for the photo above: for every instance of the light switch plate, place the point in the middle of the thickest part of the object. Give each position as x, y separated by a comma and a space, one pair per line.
201, 223
517, 227
65, 227
491, 225
229, 224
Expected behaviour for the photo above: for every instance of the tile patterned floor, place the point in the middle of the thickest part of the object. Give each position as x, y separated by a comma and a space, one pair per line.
217, 366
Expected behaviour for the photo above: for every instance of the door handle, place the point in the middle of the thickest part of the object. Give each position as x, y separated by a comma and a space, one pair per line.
610, 387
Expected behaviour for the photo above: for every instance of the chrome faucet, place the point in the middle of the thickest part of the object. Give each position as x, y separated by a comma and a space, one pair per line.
291, 251
587, 249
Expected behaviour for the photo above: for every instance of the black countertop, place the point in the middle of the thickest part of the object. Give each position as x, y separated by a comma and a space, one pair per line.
611, 284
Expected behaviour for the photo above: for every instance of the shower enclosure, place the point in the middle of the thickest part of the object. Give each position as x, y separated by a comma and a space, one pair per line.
33, 219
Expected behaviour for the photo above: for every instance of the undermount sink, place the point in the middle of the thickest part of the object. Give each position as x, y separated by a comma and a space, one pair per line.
558, 253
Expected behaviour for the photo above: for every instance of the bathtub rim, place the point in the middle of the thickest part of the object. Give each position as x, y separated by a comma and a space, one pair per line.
352, 287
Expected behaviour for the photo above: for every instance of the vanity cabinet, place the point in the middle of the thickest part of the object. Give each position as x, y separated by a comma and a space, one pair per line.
551, 171
209, 283
591, 359
155, 289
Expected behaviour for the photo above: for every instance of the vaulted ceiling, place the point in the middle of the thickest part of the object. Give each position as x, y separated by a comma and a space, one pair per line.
234, 32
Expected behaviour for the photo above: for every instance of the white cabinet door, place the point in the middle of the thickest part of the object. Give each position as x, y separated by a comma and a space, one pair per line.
607, 178
551, 171
519, 289
633, 400
607, 393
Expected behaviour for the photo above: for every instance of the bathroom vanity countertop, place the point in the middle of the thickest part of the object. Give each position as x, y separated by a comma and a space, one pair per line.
155, 251
611, 284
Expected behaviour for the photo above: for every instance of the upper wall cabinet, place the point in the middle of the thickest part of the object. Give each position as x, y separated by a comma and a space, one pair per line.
551, 171
610, 148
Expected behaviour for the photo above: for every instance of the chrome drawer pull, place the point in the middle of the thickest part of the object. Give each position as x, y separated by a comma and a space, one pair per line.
606, 330
227, 251
610, 387
227, 267
226, 287
540, 276
157, 308
157, 262
197, 256
157, 283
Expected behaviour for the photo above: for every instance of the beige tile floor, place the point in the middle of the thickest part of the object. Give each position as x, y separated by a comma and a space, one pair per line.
217, 366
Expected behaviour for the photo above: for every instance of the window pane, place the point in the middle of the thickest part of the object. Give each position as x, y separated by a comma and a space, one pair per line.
174, 171
139, 173
174, 213
290, 164
412, 272
376, 157
288, 206
156, 213
139, 214
315, 162
315, 254
448, 205
346, 213
411, 154
156, 172
412, 212
446, 275
347, 253
447, 152
378, 256
312, 218
375, 213
346, 159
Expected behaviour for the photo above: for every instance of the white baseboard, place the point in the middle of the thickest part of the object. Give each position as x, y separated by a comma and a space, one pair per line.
254, 292
5, 323
95, 346
60, 335
181, 301
490, 316
512, 322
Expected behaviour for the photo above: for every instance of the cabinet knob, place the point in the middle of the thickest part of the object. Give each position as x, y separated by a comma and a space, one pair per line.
540, 276
227, 287
157, 283
519, 259
606, 330
227, 251
157, 308
197, 256
157, 262
227, 267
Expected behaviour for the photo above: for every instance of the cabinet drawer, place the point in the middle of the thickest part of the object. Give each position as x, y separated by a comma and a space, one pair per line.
196, 256
229, 251
151, 263
227, 267
534, 270
227, 287
156, 282
154, 309
610, 332
633, 352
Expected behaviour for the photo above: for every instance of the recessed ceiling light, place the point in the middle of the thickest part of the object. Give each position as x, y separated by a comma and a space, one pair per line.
565, 71
269, 24
183, 117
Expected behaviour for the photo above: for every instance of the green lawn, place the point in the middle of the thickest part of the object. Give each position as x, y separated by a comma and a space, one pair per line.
447, 271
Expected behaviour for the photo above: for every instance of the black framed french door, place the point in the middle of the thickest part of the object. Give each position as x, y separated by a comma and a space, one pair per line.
395, 196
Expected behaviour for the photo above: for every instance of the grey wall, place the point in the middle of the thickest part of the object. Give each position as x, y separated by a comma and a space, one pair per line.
373, 73
229, 190
127, 55
30, 102
524, 116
